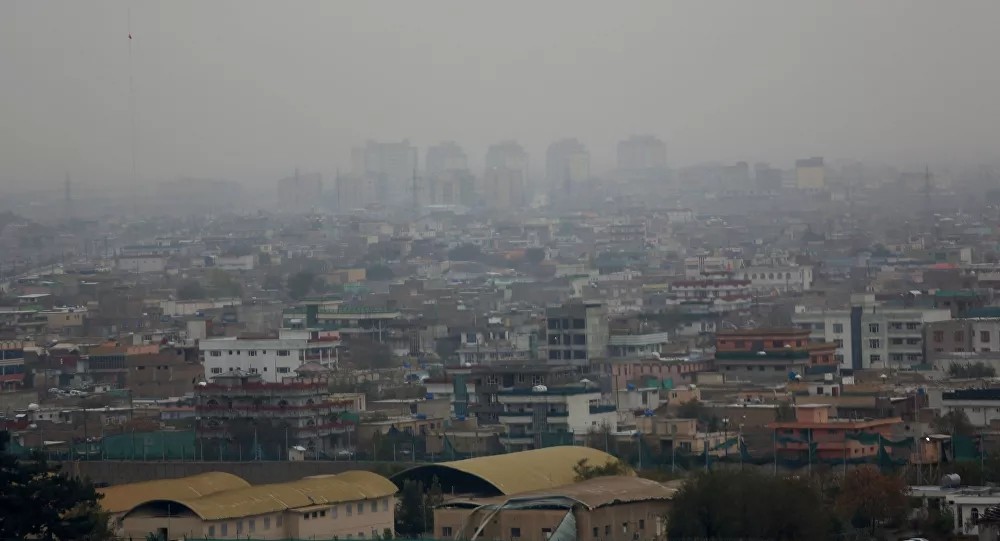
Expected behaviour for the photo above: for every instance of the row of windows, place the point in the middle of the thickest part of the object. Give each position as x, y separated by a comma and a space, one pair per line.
349, 509
251, 525
280, 370
250, 352
575, 354
959, 336
768, 276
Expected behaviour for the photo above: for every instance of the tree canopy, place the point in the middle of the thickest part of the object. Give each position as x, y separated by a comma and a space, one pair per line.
190, 290
301, 284
971, 370
584, 470
726, 504
39, 501
955, 423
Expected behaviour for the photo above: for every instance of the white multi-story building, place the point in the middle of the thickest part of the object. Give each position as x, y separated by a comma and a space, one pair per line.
869, 335
534, 417
274, 359
777, 278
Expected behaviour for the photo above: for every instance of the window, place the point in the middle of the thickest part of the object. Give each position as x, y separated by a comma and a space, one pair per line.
873, 327
597, 532
446, 531
839, 342
217, 370
278, 520
515, 532
939, 336
283, 353
305, 516
984, 336
875, 343
211, 531
607, 529
361, 508
579, 324
385, 503
838, 328
215, 354
252, 525
283, 370
374, 506
547, 532
912, 326
959, 336
239, 527
350, 509
875, 358
642, 524
267, 523
224, 530
333, 512
322, 513
252, 353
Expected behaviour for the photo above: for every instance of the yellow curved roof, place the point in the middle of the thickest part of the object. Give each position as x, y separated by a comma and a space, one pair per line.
372, 484
121, 498
318, 490
538, 469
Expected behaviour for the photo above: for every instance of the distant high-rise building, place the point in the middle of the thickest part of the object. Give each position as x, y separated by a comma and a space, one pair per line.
392, 165
810, 174
736, 176
447, 156
567, 162
355, 192
642, 153
503, 188
300, 193
767, 178
505, 180
450, 187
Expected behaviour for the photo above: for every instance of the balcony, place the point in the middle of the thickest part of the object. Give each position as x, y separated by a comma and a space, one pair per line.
516, 418
602, 408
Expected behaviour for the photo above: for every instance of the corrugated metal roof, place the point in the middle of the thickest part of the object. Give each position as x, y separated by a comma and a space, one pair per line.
121, 498
514, 473
592, 493
234, 500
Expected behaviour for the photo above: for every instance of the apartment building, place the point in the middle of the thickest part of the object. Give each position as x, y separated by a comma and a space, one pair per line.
576, 332
967, 335
541, 417
871, 335
272, 358
771, 355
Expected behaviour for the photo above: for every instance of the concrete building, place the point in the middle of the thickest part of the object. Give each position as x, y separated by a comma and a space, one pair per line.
295, 412
967, 335
391, 165
642, 154
482, 399
350, 505
300, 193
775, 279
504, 188
834, 439
981, 406
771, 355
604, 508
141, 264
540, 417
810, 174
447, 156
869, 335
576, 333
567, 162
274, 359
624, 344
11, 365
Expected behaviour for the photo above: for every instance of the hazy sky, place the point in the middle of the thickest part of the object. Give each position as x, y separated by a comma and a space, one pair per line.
249, 89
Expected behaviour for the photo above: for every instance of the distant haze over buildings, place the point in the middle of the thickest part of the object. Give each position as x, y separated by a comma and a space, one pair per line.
249, 90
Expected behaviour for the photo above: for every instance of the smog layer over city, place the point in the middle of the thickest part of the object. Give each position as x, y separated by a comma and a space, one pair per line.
511, 270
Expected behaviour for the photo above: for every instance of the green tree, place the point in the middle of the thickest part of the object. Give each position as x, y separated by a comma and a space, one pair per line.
410, 516
301, 284
534, 255
954, 423
583, 470
870, 499
971, 370
366, 353
224, 284
465, 252
190, 290
433, 498
39, 501
725, 504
